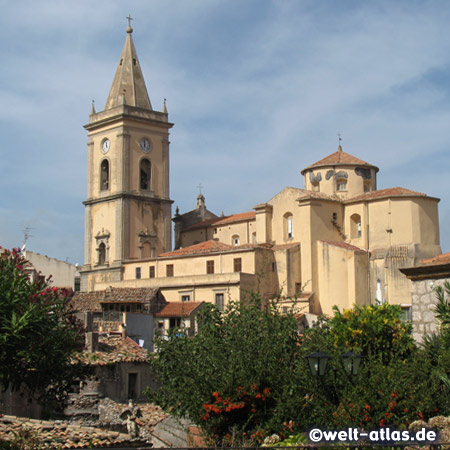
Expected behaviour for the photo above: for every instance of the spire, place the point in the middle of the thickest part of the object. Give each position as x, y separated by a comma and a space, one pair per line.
128, 86
93, 108
164, 107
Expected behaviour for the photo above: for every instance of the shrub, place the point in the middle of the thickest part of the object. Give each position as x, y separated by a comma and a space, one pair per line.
230, 377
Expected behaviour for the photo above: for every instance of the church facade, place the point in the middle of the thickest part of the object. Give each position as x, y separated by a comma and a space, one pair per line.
339, 241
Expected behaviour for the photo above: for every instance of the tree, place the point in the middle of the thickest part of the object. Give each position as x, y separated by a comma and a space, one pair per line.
230, 377
38, 333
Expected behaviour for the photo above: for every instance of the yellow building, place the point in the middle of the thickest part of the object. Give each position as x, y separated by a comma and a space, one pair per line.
339, 240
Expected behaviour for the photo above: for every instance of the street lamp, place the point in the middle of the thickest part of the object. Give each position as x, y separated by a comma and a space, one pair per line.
351, 362
318, 363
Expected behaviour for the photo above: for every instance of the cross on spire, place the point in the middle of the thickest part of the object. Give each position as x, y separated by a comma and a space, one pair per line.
340, 138
200, 187
129, 18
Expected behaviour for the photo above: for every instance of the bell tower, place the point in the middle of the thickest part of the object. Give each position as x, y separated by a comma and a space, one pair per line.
128, 206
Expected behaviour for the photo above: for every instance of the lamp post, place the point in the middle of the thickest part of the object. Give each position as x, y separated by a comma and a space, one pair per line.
351, 362
318, 362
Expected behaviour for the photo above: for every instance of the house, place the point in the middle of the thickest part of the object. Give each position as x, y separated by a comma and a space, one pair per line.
425, 278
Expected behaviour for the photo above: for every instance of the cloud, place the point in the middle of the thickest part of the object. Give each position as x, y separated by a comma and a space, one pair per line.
257, 90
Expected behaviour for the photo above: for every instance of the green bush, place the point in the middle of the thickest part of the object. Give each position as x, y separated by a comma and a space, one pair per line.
230, 377
372, 330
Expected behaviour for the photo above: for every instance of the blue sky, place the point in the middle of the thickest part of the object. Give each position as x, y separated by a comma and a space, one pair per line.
257, 90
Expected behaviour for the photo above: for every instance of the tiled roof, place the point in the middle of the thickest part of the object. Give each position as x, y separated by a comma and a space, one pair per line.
206, 247
339, 158
222, 220
250, 215
344, 245
58, 434
112, 348
87, 301
444, 258
203, 247
178, 309
389, 192
203, 223
90, 301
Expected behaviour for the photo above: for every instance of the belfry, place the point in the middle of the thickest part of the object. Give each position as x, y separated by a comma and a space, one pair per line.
128, 206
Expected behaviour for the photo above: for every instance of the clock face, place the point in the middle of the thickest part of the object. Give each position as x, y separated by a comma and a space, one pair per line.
145, 145
105, 145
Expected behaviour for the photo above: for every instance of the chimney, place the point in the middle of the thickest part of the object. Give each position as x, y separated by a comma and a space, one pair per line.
91, 341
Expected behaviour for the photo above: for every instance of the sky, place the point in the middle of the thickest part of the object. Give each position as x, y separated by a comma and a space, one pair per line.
257, 89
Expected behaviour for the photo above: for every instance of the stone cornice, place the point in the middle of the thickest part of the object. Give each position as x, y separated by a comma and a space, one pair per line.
126, 195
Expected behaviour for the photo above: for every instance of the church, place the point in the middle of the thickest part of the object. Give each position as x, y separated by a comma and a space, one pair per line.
337, 241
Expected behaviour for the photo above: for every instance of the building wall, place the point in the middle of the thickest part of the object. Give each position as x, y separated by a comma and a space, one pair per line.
342, 277
329, 175
63, 273
424, 300
224, 233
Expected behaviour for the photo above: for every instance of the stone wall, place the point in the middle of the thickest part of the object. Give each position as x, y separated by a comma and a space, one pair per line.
423, 301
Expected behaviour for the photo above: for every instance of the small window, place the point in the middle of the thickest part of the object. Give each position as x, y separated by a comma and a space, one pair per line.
101, 254
285, 309
220, 301
132, 385
367, 186
104, 175
144, 171
169, 270
355, 226
152, 272
185, 298
288, 226
138, 273
316, 187
210, 266
237, 263
274, 267
215, 230
235, 240
405, 314
341, 185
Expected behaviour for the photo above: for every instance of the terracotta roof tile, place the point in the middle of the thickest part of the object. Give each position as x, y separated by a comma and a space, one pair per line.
91, 301
339, 158
112, 348
197, 249
58, 434
178, 309
250, 215
87, 301
444, 258
389, 192
203, 223
344, 245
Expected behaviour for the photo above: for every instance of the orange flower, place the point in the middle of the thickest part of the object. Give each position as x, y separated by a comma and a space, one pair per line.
367, 407
215, 394
394, 395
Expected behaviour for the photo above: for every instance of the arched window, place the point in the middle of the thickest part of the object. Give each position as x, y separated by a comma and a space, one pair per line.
235, 240
144, 171
355, 226
101, 254
104, 175
288, 226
